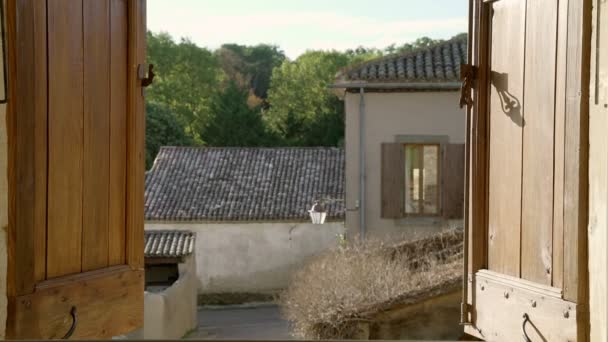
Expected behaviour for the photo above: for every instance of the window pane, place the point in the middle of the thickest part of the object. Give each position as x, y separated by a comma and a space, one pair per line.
430, 191
412, 179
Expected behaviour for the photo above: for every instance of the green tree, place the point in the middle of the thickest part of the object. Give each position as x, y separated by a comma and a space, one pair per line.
232, 122
187, 76
303, 111
162, 129
251, 66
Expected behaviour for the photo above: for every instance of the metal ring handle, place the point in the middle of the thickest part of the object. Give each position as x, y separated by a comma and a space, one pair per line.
523, 327
74, 323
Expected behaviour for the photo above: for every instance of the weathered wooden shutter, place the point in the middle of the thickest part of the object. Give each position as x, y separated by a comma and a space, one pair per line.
393, 180
76, 137
452, 188
528, 171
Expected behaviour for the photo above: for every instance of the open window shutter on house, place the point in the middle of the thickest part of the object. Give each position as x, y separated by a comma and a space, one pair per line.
76, 149
452, 173
393, 180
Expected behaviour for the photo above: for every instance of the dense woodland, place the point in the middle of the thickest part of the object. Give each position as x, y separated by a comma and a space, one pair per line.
246, 95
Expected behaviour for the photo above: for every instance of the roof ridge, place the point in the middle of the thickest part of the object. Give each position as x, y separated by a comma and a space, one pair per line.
168, 147
345, 74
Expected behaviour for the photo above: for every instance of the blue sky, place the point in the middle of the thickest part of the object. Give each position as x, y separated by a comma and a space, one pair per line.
299, 25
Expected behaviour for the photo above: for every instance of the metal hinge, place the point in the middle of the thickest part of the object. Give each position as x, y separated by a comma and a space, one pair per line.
468, 73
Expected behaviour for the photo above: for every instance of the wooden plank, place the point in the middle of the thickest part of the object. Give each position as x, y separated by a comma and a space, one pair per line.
136, 136
452, 173
96, 157
393, 180
40, 138
65, 137
21, 160
45, 314
477, 142
598, 182
576, 152
538, 140
118, 130
502, 302
506, 127
560, 118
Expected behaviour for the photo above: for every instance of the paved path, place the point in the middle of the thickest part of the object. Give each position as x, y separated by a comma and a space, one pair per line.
241, 323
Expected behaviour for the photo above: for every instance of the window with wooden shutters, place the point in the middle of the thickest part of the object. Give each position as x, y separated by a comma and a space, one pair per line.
422, 179
76, 138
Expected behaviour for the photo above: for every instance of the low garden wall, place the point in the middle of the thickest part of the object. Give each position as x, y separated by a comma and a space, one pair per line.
172, 313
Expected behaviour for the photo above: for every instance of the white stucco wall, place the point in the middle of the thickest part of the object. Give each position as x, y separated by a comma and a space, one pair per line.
253, 257
388, 115
3, 218
172, 313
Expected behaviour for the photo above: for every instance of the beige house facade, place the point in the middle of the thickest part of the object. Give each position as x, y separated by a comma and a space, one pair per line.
405, 136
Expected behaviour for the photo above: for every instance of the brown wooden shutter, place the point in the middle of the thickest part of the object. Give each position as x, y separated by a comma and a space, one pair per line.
393, 180
452, 172
76, 180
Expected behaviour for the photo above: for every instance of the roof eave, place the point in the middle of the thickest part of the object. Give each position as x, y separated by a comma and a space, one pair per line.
398, 85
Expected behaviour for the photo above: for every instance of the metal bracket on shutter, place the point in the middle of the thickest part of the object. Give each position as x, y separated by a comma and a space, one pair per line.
145, 80
468, 73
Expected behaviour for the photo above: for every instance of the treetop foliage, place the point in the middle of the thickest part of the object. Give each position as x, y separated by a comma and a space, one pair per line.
247, 95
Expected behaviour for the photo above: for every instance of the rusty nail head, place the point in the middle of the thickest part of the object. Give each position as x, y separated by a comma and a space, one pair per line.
482, 288
533, 303
566, 314
506, 295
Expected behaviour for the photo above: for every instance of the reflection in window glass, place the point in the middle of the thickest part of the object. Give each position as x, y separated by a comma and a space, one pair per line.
422, 179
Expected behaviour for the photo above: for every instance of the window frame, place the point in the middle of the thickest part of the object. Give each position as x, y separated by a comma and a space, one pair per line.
438, 140
438, 178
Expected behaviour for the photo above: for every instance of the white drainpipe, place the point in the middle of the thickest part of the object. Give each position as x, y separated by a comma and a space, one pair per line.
362, 163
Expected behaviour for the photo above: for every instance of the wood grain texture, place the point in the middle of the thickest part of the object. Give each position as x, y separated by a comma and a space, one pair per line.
560, 121
45, 314
576, 152
477, 142
118, 131
538, 140
500, 316
40, 138
21, 118
506, 132
136, 136
64, 229
96, 156
392, 180
452, 174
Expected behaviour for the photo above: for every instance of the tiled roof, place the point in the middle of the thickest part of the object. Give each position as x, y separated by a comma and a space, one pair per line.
244, 184
433, 65
168, 243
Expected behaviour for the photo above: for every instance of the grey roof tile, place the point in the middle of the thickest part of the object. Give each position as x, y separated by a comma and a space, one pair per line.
168, 243
435, 64
244, 184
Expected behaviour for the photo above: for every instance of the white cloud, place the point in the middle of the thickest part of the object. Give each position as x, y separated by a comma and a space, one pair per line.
297, 32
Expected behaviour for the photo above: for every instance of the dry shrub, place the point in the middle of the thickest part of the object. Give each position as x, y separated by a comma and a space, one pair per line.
329, 295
